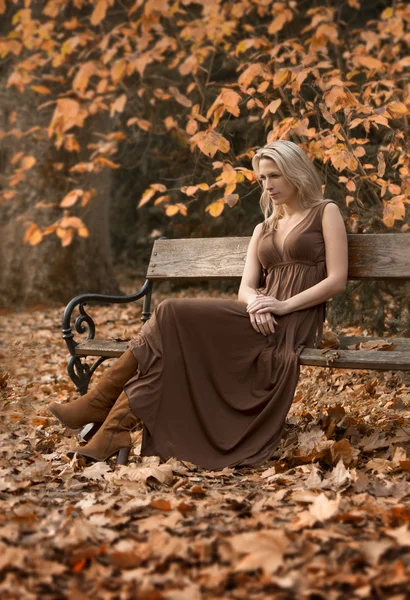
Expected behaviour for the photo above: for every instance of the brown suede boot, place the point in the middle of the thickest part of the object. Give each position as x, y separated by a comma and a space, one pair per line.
113, 436
95, 405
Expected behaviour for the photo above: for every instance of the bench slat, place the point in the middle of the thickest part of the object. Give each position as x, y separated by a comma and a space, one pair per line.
371, 256
355, 359
399, 343
107, 348
359, 359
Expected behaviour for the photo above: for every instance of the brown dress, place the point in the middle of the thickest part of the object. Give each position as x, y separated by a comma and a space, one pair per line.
209, 388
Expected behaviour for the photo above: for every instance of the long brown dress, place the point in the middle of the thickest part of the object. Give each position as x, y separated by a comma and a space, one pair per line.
209, 388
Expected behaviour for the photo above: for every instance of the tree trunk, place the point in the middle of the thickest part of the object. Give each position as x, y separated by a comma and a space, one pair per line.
47, 272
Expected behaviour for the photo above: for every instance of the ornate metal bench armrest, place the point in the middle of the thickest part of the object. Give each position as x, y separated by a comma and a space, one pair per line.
84, 321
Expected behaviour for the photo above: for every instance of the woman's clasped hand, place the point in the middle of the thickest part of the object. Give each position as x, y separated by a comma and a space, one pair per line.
262, 310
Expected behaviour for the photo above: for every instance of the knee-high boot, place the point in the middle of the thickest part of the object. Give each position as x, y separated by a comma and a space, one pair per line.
114, 435
95, 405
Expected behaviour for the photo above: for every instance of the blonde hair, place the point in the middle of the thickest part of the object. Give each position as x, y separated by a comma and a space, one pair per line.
297, 169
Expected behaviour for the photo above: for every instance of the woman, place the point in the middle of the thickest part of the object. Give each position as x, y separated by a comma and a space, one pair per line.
213, 379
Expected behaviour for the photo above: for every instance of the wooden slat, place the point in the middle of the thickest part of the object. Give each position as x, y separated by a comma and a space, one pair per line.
359, 359
379, 256
354, 359
101, 348
399, 343
371, 256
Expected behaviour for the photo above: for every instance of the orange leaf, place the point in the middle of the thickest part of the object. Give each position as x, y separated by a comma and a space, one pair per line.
368, 61
83, 232
16, 157
215, 208
27, 163
82, 77
277, 23
189, 190
161, 199
105, 162
142, 123
280, 78
118, 105
171, 210
68, 222
160, 504
146, 197
247, 77
65, 235
327, 115
272, 107
229, 99
394, 189
118, 70
191, 127
71, 198
79, 566
99, 12
381, 164
40, 89
398, 107
230, 188
180, 98
210, 141
182, 209
170, 123
158, 187
228, 174
337, 93
404, 62
32, 235
359, 151
394, 210
223, 145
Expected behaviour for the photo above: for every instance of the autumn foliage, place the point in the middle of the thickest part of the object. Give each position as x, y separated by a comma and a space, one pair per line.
325, 77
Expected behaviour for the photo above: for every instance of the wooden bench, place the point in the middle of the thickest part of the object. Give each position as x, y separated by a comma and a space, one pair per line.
371, 256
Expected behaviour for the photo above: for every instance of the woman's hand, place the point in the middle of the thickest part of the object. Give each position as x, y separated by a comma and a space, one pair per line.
262, 322
262, 304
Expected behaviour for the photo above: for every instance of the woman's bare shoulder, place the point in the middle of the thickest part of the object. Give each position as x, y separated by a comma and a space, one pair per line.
259, 229
330, 207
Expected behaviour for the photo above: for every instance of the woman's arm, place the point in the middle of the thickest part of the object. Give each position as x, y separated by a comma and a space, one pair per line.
252, 270
334, 234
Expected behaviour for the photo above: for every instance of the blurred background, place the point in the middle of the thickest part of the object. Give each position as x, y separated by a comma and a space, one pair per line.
121, 121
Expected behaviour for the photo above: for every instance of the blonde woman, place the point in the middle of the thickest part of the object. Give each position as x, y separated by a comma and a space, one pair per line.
213, 379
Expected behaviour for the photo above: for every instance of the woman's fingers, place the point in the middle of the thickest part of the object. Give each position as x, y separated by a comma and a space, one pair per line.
263, 323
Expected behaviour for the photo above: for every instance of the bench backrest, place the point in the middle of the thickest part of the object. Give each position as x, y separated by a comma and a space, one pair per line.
371, 256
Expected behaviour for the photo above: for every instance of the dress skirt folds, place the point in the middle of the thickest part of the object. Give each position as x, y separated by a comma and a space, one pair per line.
209, 388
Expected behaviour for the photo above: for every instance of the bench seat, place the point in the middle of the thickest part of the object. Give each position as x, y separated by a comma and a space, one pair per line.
396, 359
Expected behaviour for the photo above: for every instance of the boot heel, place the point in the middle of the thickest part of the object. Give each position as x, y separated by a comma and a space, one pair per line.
89, 430
122, 458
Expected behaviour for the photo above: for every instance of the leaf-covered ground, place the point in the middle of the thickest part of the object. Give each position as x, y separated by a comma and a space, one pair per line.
327, 518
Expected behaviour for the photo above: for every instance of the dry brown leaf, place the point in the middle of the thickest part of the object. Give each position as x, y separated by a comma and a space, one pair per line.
96, 471
263, 550
322, 508
329, 340
400, 534
162, 473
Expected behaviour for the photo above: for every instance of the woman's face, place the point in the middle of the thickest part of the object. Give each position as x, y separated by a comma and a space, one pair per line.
279, 188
